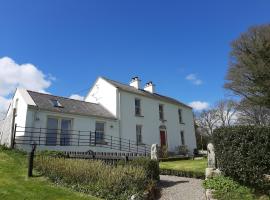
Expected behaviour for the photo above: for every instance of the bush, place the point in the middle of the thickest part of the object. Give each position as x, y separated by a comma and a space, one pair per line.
183, 150
94, 177
227, 189
151, 167
182, 173
243, 153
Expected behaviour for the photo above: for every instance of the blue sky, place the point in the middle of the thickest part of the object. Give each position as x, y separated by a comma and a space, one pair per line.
182, 46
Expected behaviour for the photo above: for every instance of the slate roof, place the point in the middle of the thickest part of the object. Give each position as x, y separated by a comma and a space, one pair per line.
142, 92
70, 106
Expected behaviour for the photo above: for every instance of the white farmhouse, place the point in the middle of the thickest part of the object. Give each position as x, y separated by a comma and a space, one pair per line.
114, 117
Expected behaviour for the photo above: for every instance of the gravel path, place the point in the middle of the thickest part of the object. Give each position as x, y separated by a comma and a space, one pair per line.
181, 188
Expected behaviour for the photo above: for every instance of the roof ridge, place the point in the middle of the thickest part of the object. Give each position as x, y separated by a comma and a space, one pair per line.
142, 90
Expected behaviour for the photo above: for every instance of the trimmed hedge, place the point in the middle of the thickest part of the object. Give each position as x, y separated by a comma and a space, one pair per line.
189, 174
243, 153
151, 167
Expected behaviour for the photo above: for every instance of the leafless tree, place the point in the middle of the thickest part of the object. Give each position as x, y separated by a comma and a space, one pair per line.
226, 111
208, 121
250, 114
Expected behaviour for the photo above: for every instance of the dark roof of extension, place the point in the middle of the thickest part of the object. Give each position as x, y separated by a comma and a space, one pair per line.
70, 106
142, 92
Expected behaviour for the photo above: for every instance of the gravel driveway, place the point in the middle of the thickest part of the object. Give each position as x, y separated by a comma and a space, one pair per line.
181, 188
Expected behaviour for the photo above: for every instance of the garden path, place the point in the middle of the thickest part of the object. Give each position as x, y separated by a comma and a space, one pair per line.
181, 188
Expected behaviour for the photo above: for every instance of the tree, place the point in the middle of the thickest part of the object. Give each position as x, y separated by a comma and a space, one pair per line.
250, 114
207, 121
226, 110
249, 70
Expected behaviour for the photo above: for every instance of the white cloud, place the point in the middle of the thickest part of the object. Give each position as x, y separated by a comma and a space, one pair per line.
77, 97
193, 79
13, 75
199, 105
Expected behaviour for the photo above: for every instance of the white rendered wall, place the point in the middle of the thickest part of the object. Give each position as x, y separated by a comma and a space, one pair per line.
38, 119
150, 121
105, 94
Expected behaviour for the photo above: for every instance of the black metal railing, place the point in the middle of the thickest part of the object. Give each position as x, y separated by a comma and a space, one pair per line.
60, 137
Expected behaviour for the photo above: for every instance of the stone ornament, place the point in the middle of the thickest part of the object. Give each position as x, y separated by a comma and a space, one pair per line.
154, 152
211, 156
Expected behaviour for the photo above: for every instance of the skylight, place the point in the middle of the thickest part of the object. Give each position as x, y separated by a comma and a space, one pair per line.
56, 103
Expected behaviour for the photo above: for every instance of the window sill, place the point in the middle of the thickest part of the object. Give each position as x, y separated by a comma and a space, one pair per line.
139, 116
163, 120
141, 144
101, 142
182, 123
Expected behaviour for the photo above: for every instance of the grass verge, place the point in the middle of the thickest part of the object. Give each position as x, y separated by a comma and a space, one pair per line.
15, 185
186, 168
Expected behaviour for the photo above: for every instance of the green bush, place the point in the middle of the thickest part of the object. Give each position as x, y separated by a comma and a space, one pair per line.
227, 189
243, 153
151, 167
182, 173
94, 177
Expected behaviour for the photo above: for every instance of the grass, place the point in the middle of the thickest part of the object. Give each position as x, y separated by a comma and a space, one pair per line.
15, 185
185, 165
227, 189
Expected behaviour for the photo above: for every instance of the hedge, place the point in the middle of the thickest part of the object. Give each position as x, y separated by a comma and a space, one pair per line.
243, 153
189, 174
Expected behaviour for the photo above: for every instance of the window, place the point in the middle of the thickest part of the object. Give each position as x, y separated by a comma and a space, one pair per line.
161, 112
182, 137
180, 116
100, 131
65, 132
58, 131
139, 134
52, 126
56, 103
137, 107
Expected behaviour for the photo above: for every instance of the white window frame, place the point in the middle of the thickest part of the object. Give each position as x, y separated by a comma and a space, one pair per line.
138, 107
104, 132
161, 111
58, 131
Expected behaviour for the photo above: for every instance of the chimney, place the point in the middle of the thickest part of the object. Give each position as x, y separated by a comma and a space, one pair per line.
149, 87
135, 82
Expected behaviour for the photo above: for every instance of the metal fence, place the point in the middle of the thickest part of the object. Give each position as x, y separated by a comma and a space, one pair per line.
77, 138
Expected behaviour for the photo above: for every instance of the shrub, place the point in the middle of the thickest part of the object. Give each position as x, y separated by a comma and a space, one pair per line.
151, 167
182, 173
227, 189
243, 153
183, 150
94, 177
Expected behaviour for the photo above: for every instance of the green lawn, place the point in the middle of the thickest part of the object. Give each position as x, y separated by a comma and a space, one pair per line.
15, 185
185, 165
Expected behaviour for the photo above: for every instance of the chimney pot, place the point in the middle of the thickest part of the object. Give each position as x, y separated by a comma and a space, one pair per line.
135, 82
149, 87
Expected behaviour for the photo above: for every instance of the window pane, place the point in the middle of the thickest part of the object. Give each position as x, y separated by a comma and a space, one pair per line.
139, 133
137, 107
161, 114
100, 131
52, 126
182, 138
65, 132
180, 115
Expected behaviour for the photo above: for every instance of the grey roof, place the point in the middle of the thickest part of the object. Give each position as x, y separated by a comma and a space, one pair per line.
70, 106
142, 92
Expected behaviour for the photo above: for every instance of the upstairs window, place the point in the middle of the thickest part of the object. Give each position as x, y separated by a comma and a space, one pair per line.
180, 116
139, 134
56, 103
138, 107
161, 112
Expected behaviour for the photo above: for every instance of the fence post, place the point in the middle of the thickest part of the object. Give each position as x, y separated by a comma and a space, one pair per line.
95, 138
90, 138
111, 142
79, 138
31, 160
120, 144
129, 145
39, 136
13, 136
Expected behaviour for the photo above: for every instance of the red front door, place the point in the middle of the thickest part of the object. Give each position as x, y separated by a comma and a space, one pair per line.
162, 138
